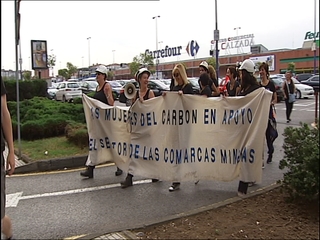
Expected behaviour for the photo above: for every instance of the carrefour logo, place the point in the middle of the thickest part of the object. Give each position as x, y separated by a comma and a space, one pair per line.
192, 48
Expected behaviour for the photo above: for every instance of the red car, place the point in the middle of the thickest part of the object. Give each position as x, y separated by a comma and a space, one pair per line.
223, 84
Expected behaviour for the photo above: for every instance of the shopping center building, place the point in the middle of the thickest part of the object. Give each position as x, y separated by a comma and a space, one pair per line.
305, 59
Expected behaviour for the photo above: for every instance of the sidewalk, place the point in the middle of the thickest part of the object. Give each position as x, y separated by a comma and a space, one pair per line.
18, 162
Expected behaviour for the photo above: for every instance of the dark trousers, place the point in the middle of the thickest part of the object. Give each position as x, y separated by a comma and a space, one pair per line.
243, 187
269, 141
289, 107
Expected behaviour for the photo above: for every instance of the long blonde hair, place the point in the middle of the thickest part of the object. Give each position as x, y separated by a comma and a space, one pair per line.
212, 72
182, 71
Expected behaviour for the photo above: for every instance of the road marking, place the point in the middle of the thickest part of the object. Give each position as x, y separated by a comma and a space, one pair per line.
59, 171
74, 237
13, 199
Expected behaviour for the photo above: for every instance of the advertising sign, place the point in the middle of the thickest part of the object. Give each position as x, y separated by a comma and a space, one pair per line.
236, 42
39, 54
270, 59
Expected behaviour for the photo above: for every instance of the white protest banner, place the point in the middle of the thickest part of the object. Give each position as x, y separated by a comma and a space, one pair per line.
186, 137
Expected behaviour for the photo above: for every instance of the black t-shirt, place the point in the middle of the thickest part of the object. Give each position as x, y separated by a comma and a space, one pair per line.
270, 86
145, 97
3, 92
206, 91
99, 95
249, 90
232, 92
187, 89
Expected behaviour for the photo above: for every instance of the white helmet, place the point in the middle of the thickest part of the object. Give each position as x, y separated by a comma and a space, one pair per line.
102, 69
204, 64
247, 65
140, 71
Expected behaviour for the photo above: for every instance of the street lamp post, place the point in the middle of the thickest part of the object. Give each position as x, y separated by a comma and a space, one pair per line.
216, 38
157, 61
236, 29
82, 61
113, 51
88, 38
52, 65
314, 39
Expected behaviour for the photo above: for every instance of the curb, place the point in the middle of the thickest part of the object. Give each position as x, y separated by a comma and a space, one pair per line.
130, 235
52, 164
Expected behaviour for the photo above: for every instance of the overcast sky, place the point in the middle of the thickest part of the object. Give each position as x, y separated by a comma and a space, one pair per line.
128, 28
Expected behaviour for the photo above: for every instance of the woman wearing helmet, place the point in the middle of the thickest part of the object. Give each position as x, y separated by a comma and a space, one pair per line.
248, 84
144, 93
204, 67
104, 94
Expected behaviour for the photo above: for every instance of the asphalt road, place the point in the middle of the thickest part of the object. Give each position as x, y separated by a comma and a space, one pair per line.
61, 204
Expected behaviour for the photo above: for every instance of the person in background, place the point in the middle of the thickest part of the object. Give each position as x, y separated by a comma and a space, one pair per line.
182, 86
288, 87
233, 86
104, 94
248, 84
204, 85
6, 136
213, 82
144, 93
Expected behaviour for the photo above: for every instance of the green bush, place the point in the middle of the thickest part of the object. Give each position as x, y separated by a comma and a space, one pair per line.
43, 118
77, 134
301, 159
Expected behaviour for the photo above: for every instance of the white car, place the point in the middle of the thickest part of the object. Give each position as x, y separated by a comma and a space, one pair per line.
67, 91
302, 90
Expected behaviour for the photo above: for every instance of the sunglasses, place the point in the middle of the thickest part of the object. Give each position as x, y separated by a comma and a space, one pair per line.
176, 75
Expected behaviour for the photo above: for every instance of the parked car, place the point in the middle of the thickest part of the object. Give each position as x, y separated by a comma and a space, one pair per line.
278, 82
116, 87
302, 90
122, 97
123, 82
195, 85
312, 82
51, 91
166, 81
303, 76
223, 85
158, 87
67, 91
88, 86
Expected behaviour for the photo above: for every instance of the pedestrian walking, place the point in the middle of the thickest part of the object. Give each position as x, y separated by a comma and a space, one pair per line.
144, 93
269, 85
289, 90
182, 86
104, 94
6, 136
248, 84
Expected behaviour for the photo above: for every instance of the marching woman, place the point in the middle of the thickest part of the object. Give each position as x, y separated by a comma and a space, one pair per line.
144, 93
269, 85
233, 86
104, 94
248, 84
204, 67
182, 86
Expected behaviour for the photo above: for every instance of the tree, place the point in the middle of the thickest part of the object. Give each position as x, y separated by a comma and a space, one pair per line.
51, 62
27, 75
110, 75
143, 60
212, 61
292, 66
69, 71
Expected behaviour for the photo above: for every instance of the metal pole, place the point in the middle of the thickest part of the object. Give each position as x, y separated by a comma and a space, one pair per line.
89, 50
157, 61
314, 40
17, 80
217, 41
20, 60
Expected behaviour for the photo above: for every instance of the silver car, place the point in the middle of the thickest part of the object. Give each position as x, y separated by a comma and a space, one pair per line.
67, 91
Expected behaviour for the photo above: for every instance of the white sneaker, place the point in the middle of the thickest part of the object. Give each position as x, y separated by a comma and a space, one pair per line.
174, 186
262, 165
